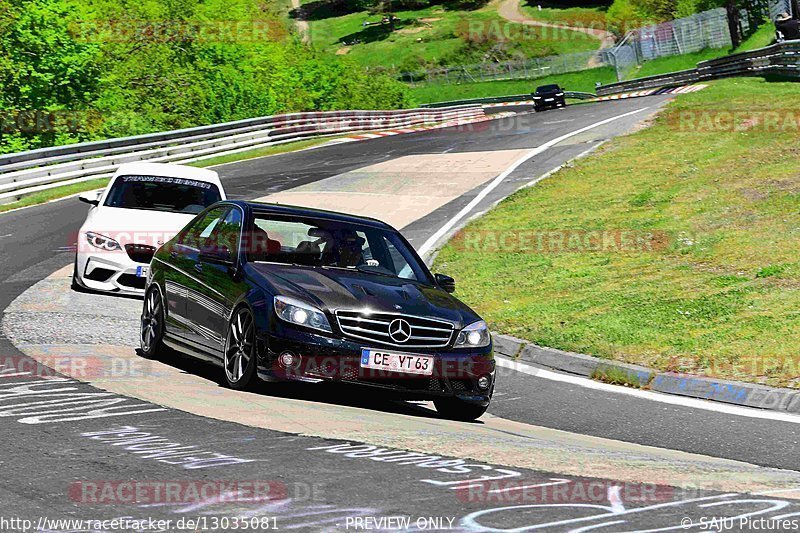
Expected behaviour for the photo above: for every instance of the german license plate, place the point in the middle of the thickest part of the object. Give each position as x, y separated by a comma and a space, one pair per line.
141, 271
548, 99
397, 362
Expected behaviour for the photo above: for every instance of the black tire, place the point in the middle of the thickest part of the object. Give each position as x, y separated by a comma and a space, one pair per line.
239, 357
459, 410
151, 329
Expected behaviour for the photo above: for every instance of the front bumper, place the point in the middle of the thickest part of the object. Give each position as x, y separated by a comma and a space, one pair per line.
110, 272
549, 105
322, 358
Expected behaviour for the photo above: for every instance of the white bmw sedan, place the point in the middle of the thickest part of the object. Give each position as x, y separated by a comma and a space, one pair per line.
143, 206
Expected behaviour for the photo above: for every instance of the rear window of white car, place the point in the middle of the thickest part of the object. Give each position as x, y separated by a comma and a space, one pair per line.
162, 193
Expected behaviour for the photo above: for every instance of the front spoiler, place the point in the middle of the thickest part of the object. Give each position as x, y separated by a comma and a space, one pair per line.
338, 360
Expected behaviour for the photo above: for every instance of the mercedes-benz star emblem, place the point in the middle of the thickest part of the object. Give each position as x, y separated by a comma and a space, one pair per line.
399, 330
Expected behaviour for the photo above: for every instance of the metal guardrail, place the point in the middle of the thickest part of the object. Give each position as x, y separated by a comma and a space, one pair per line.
782, 59
28, 172
478, 101
577, 95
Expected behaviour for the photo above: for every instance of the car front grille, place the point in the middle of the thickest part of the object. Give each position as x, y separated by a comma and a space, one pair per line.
100, 274
141, 253
132, 281
382, 328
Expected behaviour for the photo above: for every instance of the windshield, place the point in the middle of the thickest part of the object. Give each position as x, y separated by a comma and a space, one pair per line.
331, 244
160, 193
548, 89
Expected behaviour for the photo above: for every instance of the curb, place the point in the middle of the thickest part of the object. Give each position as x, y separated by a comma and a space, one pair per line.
718, 390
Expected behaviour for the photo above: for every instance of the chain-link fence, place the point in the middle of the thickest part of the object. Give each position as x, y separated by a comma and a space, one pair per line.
708, 29
509, 70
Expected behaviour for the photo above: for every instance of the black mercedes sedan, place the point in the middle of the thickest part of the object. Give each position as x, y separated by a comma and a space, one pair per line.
288, 293
548, 96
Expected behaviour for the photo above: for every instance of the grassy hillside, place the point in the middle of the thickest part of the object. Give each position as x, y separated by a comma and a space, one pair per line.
764, 36
574, 81
707, 279
593, 16
436, 36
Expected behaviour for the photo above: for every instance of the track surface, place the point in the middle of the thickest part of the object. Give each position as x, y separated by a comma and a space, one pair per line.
44, 459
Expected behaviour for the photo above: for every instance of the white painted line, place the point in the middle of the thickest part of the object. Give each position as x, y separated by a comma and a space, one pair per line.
549, 173
552, 482
429, 244
682, 401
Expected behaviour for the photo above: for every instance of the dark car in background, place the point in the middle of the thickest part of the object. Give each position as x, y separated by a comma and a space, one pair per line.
285, 293
548, 96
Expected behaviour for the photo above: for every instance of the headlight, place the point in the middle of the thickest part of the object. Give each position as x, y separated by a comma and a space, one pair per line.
559, 94
300, 313
102, 242
537, 97
476, 335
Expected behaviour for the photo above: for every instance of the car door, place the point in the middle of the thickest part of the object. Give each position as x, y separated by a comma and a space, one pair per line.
184, 283
219, 288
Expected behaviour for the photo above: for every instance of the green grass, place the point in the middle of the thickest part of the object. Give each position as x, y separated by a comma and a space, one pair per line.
719, 293
435, 36
594, 17
761, 38
616, 376
583, 80
574, 81
662, 65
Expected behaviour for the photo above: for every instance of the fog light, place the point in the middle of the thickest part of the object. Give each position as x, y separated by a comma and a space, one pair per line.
289, 360
484, 382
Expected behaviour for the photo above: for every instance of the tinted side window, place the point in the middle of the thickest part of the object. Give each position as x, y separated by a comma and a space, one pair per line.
202, 228
226, 233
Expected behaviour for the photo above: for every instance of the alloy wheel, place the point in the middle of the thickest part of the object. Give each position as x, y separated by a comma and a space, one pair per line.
151, 321
239, 345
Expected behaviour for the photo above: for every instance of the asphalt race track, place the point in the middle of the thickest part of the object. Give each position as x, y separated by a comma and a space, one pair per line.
556, 456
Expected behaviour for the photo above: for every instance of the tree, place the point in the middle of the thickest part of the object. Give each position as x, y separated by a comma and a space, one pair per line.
732, 8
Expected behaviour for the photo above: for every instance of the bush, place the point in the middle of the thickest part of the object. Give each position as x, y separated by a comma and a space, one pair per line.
122, 61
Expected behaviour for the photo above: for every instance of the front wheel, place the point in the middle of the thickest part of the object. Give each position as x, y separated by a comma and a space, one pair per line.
151, 332
459, 410
240, 353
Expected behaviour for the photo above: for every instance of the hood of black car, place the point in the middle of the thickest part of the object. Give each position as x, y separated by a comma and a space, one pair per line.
344, 289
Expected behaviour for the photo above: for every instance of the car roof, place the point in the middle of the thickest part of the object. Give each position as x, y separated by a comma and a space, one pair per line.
299, 211
168, 170
549, 87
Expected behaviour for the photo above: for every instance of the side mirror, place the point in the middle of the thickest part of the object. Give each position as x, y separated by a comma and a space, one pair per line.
447, 283
91, 198
218, 255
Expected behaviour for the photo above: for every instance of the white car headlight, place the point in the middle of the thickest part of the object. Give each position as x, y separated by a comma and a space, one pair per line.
559, 94
300, 313
101, 241
476, 335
